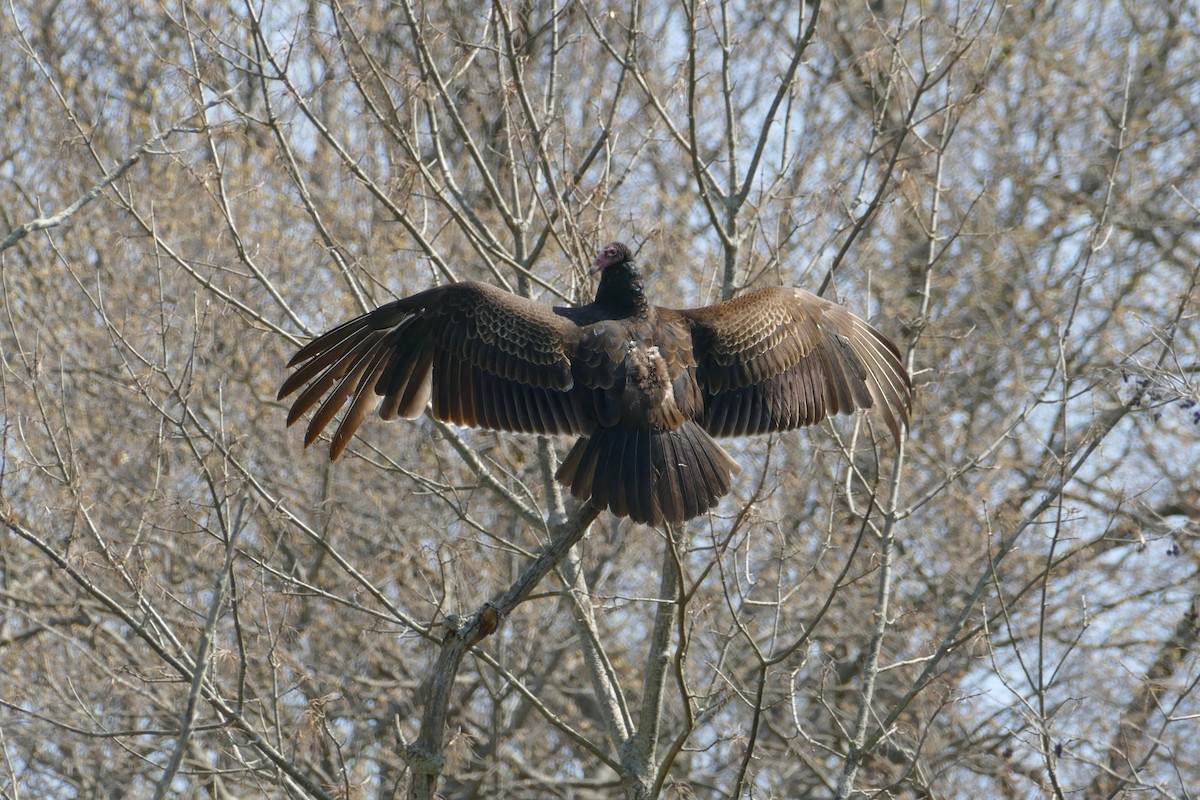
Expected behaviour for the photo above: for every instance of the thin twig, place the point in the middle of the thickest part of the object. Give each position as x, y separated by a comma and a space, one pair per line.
54, 220
200, 661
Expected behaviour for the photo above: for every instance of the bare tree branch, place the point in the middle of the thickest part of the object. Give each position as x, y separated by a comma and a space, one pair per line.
425, 754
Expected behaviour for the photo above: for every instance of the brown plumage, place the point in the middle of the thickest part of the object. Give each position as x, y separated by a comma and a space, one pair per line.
645, 388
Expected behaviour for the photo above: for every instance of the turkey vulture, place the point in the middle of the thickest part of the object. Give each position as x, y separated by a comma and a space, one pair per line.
644, 388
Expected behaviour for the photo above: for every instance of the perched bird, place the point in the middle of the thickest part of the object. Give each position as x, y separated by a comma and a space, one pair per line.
644, 388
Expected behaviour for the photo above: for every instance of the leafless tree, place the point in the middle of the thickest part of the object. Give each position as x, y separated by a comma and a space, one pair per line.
1005, 607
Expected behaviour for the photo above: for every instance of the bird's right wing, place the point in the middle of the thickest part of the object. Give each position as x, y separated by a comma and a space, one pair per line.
778, 358
486, 357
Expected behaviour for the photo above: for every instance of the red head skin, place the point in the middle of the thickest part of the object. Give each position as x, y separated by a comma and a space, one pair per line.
612, 253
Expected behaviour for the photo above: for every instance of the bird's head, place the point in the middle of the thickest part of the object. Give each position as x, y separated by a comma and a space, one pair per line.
612, 254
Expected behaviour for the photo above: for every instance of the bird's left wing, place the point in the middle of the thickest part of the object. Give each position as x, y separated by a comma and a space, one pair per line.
778, 358
486, 357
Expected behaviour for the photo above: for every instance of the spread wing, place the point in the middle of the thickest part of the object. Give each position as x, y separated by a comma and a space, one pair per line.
779, 358
486, 357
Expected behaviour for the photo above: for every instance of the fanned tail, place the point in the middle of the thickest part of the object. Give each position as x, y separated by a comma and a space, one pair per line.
651, 476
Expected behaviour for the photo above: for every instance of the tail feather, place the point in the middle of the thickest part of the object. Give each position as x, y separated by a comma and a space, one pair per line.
682, 467
600, 484
693, 473
651, 476
714, 464
667, 489
621, 469
641, 477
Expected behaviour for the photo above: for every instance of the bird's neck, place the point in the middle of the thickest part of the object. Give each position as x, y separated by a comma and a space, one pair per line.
620, 292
